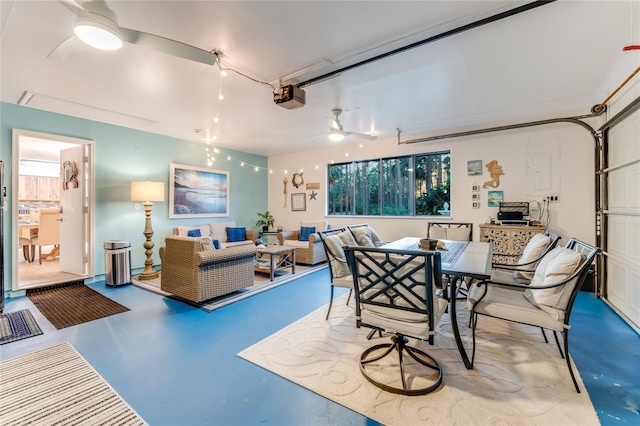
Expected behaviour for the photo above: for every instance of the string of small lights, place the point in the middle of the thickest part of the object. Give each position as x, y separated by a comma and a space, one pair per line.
211, 139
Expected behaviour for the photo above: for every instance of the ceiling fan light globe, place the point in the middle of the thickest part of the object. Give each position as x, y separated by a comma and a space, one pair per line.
336, 135
98, 35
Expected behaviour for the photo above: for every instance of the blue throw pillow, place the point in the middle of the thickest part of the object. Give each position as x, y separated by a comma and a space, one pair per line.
236, 234
194, 233
305, 231
216, 244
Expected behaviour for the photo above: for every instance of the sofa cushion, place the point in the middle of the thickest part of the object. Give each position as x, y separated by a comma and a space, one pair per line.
219, 230
305, 231
205, 231
296, 244
236, 234
194, 233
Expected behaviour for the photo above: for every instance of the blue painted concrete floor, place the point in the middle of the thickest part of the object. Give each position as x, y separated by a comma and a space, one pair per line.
177, 365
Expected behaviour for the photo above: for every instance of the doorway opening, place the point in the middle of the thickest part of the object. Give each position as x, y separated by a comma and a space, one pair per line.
52, 201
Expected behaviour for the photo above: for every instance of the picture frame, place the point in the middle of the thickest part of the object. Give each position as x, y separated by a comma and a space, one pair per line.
298, 202
198, 192
475, 205
474, 168
494, 198
475, 196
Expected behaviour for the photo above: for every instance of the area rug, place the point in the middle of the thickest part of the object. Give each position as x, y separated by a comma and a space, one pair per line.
56, 386
17, 326
517, 379
261, 283
73, 304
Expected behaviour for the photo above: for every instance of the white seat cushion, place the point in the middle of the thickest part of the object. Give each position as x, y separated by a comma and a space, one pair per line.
297, 244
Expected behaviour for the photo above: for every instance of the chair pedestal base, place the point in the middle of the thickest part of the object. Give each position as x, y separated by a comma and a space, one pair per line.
410, 360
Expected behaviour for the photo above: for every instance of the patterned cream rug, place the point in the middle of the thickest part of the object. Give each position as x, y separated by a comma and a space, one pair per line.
56, 386
518, 379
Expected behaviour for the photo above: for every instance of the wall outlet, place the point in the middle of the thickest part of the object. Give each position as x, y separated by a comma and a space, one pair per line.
551, 198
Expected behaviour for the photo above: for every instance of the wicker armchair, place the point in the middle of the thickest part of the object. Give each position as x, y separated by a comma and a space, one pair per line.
194, 274
307, 252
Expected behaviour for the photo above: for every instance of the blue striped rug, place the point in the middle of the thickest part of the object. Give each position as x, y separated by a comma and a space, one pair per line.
17, 326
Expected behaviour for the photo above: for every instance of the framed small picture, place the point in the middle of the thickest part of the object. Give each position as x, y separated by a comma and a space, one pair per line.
475, 188
476, 205
474, 167
494, 198
298, 202
475, 196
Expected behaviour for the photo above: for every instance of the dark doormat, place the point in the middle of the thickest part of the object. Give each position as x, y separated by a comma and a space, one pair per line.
17, 326
73, 304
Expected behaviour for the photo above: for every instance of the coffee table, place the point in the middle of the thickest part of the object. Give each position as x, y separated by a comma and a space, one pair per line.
280, 258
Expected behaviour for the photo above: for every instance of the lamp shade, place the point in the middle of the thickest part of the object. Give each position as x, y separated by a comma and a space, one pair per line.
147, 191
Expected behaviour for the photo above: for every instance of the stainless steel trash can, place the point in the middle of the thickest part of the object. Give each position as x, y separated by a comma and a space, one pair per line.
117, 263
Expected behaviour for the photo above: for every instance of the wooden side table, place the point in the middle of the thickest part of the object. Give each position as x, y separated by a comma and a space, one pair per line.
280, 258
509, 241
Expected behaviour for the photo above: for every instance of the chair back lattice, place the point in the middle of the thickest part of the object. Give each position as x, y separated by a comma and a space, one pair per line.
397, 284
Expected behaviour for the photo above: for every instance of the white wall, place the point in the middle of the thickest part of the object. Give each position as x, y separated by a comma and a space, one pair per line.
572, 216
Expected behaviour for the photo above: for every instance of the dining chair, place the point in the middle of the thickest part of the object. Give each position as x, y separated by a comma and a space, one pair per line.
48, 230
396, 292
28, 249
333, 241
545, 302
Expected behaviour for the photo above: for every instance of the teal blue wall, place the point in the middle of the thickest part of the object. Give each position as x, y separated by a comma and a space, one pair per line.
122, 155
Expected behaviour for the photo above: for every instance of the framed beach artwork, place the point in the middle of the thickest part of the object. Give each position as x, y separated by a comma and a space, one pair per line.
198, 192
474, 168
494, 198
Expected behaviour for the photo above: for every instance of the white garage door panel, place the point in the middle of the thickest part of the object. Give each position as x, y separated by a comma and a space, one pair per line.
626, 298
623, 218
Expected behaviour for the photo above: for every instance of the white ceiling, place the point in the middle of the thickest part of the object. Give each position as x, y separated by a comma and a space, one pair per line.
556, 60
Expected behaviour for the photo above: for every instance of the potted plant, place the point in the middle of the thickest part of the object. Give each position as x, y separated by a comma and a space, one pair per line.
266, 220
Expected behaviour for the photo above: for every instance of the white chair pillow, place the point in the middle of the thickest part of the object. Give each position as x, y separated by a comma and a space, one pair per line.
438, 233
338, 259
558, 265
459, 234
534, 249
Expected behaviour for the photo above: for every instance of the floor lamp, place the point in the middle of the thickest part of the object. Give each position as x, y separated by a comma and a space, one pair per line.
147, 192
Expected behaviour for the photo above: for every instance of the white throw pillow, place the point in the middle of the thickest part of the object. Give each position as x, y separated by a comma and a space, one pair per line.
459, 234
437, 233
558, 265
534, 249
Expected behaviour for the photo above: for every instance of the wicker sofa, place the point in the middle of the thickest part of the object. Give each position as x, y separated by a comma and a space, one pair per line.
307, 252
194, 274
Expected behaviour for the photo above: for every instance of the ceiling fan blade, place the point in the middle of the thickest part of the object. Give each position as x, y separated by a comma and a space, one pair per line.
70, 48
75, 8
168, 46
333, 124
361, 136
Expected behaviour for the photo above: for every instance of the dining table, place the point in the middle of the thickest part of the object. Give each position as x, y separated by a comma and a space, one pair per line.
460, 260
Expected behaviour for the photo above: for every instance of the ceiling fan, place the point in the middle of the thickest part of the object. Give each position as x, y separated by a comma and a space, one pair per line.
337, 133
97, 25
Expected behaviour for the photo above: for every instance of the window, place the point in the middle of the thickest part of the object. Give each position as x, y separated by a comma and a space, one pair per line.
398, 186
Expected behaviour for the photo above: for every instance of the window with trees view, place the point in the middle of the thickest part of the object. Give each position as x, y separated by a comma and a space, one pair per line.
399, 186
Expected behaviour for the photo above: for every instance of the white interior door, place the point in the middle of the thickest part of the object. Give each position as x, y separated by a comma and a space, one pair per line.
73, 211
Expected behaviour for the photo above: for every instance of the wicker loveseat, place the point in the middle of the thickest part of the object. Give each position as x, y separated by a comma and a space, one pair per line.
194, 274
